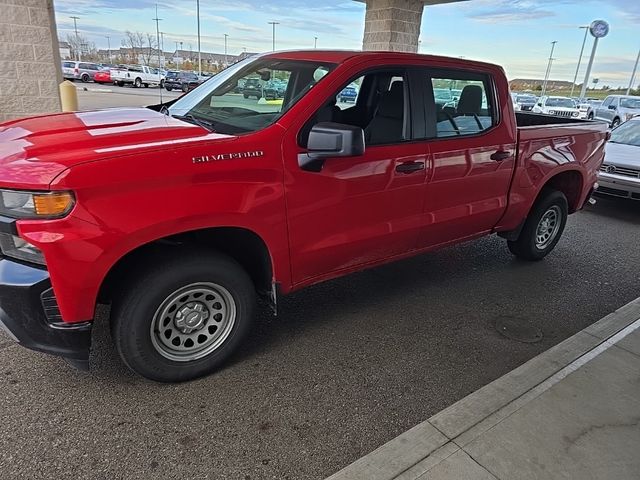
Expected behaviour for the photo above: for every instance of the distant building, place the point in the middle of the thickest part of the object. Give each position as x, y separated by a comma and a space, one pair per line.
215, 60
65, 50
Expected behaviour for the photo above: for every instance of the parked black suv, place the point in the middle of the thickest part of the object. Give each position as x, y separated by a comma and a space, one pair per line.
184, 81
252, 88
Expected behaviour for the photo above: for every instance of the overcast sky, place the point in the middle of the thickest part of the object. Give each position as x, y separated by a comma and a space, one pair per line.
514, 33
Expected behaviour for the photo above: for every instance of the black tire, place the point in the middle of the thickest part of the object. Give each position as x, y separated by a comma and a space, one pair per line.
137, 83
169, 89
161, 83
137, 304
590, 116
525, 246
85, 78
146, 85
246, 96
615, 123
185, 88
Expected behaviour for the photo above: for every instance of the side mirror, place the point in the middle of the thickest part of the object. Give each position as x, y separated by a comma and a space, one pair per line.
328, 139
612, 107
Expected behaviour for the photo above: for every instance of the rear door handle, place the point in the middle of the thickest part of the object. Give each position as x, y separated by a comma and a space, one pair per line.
500, 155
409, 167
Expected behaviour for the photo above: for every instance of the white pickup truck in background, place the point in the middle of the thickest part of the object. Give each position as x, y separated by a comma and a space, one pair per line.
137, 75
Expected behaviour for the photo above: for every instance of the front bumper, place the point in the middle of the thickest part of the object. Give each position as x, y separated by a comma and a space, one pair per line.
619, 185
28, 313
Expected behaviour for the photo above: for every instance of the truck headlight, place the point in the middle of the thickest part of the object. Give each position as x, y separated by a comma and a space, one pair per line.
16, 247
45, 205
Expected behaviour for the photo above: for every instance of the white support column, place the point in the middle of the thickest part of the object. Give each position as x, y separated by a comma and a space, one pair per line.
29, 59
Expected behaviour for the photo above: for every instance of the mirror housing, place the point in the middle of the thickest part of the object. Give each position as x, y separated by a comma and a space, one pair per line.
611, 107
328, 139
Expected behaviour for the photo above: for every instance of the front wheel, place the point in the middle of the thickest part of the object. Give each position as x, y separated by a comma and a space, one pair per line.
615, 123
183, 319
590, 116
543, 228
137, 83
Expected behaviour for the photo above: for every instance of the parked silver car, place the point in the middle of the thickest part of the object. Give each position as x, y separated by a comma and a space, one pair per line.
84, 71
617, 109
619, 174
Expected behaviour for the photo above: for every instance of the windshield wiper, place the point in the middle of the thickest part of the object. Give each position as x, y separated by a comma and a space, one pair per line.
191, 118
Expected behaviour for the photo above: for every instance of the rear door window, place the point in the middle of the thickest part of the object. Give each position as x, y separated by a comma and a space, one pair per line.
460, 103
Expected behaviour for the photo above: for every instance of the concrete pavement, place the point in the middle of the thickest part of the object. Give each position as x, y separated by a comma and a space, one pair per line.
572, 412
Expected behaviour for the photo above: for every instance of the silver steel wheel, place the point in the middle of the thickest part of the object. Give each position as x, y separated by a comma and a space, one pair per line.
193, 321
548, 227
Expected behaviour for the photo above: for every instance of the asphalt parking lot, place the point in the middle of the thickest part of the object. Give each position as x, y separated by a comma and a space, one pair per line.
347, 365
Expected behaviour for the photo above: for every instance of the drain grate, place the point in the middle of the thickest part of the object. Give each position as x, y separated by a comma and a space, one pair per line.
518, 330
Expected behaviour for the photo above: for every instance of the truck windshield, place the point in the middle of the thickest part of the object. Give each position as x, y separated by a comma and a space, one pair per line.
242, 98
633, 103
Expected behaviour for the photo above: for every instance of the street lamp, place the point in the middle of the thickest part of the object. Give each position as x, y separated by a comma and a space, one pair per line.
273, 37
546, 75
75, 27
575, 77
199, 50
226, 63
633, 74
109, 48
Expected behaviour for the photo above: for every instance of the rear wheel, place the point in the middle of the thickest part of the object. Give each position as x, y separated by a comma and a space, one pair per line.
184, 318
137, 83
169, 89
543, 228
185, 87
85, 78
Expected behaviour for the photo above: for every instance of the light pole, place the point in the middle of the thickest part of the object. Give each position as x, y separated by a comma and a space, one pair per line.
158, 45
273, 36
598, 29
575, 77
199, 51
225, 50
633, 74
109, 48
315, 42
546, 75
75, 27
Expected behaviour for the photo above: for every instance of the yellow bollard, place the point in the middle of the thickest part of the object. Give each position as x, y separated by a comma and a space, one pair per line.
68, 96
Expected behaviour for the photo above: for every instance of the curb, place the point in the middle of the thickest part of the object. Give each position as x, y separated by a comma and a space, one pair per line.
417, 450
96, 90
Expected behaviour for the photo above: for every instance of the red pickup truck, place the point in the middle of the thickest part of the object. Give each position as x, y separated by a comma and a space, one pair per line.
179, 215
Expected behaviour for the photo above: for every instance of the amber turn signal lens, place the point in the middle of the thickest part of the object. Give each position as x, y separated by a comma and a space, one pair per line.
52, 204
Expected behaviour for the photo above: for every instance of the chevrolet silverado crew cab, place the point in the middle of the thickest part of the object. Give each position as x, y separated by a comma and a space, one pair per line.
137, 75
179, 215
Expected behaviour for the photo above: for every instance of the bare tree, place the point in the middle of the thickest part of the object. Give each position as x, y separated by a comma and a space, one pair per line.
81, 47
140, 46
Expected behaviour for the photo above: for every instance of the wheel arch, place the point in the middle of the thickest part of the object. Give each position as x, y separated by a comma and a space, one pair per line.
243, 245
570, 183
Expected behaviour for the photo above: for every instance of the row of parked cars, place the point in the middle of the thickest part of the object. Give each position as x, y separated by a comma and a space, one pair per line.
615, 109
135, 75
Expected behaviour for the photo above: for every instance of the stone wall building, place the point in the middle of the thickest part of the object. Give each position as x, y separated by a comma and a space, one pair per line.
29, 59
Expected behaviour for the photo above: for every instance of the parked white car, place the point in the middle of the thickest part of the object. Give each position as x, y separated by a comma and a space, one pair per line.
558, 106
137, 75
619, 174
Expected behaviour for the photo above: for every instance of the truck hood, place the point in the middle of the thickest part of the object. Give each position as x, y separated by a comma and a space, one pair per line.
622, 155
34, 151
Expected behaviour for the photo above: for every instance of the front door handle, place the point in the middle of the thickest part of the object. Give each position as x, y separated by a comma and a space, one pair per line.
500, 155
410, 167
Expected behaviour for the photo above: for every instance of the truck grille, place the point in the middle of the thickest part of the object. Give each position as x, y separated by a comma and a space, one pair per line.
627, 172
563, 114
50, 306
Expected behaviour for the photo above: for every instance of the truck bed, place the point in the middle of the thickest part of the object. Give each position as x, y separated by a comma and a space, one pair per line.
530, 119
